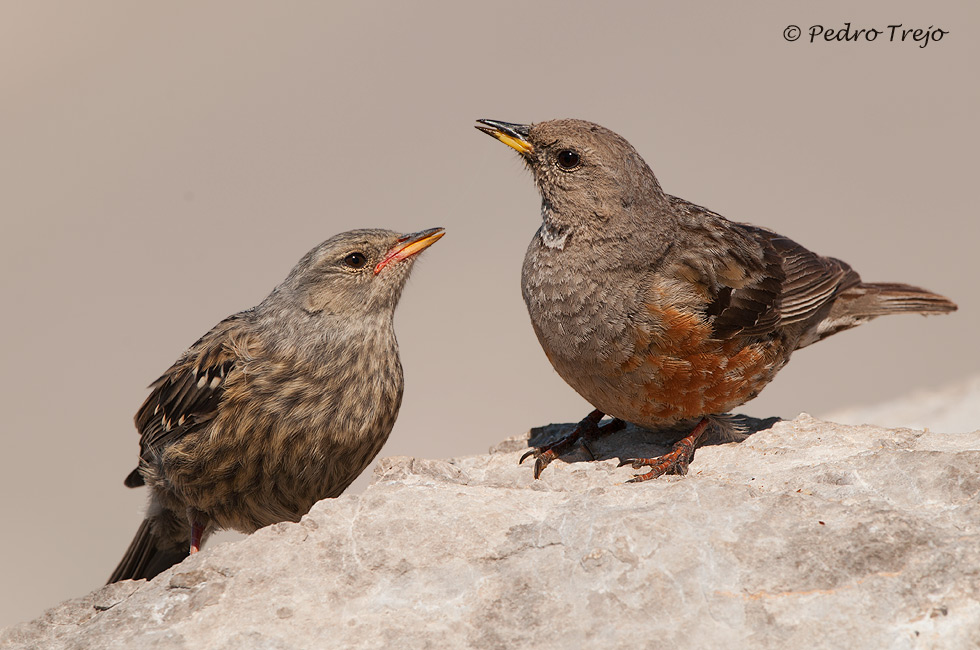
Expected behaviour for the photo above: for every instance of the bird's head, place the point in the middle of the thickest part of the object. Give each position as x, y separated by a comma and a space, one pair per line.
586, 174
355, 272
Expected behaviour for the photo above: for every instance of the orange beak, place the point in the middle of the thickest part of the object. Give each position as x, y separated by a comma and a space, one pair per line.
410, 245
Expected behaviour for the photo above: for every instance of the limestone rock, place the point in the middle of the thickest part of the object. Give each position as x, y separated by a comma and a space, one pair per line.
807, 534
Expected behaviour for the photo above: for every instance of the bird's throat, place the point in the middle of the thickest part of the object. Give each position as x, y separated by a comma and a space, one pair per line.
551, 233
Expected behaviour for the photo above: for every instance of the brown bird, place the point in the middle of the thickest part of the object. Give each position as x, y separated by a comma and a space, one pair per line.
278, 406
658, 311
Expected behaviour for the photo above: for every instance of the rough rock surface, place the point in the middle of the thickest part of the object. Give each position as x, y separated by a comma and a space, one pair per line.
807, 534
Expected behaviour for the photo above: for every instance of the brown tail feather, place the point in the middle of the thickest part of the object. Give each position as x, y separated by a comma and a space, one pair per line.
865, 301
877, 299
143, 559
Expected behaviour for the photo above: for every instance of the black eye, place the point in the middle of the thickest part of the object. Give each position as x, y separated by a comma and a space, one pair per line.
355, 260
567, 159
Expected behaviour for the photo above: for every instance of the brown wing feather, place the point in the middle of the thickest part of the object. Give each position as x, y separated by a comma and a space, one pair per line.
812, 280
757, 281
752, 308
186, 398
797, 282
738, 277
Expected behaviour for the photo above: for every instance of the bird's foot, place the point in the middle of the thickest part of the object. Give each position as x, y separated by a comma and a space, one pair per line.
673, 462
197, 535
587, 429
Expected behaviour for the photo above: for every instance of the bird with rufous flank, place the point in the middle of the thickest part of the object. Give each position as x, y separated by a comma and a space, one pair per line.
661, 312
277, 406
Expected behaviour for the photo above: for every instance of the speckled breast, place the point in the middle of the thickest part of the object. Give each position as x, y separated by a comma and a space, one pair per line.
649, 363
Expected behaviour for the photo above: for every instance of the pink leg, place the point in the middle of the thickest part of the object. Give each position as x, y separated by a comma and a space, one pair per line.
674, 461
197, 531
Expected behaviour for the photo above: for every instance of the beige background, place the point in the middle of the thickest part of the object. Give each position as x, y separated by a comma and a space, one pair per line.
164, 166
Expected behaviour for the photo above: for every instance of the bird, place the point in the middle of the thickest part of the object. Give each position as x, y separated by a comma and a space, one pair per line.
660, 312
277, 406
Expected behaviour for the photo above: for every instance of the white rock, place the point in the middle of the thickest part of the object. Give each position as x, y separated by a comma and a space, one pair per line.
806, 535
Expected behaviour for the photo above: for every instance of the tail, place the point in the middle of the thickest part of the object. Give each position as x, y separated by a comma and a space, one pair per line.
862, 302
868, 300
144, 558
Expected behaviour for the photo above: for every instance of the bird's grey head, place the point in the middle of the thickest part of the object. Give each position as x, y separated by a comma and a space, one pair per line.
355, 272
586, 174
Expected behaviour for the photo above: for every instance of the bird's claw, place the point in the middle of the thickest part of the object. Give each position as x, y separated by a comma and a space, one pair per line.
543, 456
636, 463
589, 427
539, 464
676, 461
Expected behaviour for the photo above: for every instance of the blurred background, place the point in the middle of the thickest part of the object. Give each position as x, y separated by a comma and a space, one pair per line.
164, 165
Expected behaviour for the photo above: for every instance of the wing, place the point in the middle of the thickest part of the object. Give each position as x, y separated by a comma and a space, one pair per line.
756, 281
812, 281
746, 292
187, 397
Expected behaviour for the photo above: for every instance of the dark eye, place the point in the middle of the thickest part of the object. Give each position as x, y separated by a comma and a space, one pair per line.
355, 260
567, 159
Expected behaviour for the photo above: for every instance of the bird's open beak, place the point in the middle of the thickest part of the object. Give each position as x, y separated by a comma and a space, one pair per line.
410, 245
512, 135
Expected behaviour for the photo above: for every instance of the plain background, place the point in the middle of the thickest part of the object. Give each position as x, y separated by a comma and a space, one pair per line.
163, 165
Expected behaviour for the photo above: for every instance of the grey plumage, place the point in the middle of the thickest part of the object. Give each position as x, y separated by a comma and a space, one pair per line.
657, 310
277, 406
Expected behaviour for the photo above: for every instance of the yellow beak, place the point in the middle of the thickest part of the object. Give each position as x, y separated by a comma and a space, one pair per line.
514, 136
